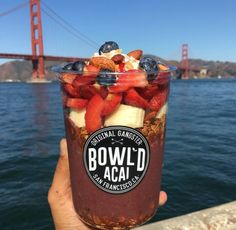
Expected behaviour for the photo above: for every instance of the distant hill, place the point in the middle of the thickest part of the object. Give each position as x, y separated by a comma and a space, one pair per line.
215, 68
21, 70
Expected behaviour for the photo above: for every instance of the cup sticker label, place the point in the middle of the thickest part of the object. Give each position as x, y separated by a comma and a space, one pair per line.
116, 158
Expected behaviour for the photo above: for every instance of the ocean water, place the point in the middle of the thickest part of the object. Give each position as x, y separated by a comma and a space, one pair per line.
200, 152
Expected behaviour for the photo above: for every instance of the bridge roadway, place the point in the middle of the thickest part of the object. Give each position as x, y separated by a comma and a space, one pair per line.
46, 57
61, 58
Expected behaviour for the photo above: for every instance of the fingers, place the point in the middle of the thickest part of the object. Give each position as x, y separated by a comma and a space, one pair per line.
63, 148
162, 198
61, 179
59, 195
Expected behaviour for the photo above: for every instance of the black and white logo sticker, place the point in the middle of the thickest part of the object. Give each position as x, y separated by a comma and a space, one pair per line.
116, 158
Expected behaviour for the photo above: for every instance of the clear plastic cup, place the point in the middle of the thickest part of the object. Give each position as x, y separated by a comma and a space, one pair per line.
115, 137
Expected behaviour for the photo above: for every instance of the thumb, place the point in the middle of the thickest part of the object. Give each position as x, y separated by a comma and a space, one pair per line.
61, 180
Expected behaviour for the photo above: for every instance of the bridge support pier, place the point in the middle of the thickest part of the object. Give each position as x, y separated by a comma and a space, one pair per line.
37, 40
184, 62
38, 68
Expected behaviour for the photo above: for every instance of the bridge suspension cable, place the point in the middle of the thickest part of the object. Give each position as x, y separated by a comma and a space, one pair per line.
67, 26
14, 9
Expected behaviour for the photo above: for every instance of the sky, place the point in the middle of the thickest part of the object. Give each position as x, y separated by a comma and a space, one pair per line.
158, 27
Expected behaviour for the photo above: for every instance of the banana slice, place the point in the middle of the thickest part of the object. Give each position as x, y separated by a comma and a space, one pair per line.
127, 116
78, 117
162, 111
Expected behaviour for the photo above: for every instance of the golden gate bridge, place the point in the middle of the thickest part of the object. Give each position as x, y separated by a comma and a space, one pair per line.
38, 58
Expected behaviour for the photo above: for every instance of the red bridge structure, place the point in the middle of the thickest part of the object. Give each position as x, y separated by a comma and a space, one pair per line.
38, 58
184, 66
184, 62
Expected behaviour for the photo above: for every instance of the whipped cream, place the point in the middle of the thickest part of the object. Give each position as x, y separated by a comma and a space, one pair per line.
109, 54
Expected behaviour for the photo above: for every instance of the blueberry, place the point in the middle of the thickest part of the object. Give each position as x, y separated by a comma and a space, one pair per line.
68, 66
150, 66
108, 46
78, 66
105, 77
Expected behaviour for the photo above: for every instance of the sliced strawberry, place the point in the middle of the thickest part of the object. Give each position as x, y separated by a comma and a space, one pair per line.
133, 78
134, 99
111, 103
150, 115
76, 103
67, 77
93, 115
83, 80
158, 100
121, 67
148, 92
71, 90
87, 91
102, 90
91, 69
91, 72
88, 77
118, 88
129, 79
162, 79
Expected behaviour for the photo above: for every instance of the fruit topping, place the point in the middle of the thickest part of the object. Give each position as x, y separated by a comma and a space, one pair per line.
77, 116
88, 77
148, 91
135, 54
162, 111
76, 103
111, 103
133, 98
67, 77
150, 66
103, 63
93, 115
162, 79
78, 66
87, 91
68, 66
92, 70
113, 88
121, 67
106, 77
126, 115
118, 88
134, 78
108, 46
103, 91
156, 114
84, 80
71, 90
158, 100
150, 115
162, 67
129, 79
118, 58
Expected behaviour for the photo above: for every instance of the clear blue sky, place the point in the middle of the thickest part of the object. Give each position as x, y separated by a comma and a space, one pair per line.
157, 27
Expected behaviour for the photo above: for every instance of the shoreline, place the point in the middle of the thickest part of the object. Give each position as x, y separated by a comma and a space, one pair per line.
175, 79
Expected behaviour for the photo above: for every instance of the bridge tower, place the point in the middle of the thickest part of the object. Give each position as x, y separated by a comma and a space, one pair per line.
184, 62
36, 40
